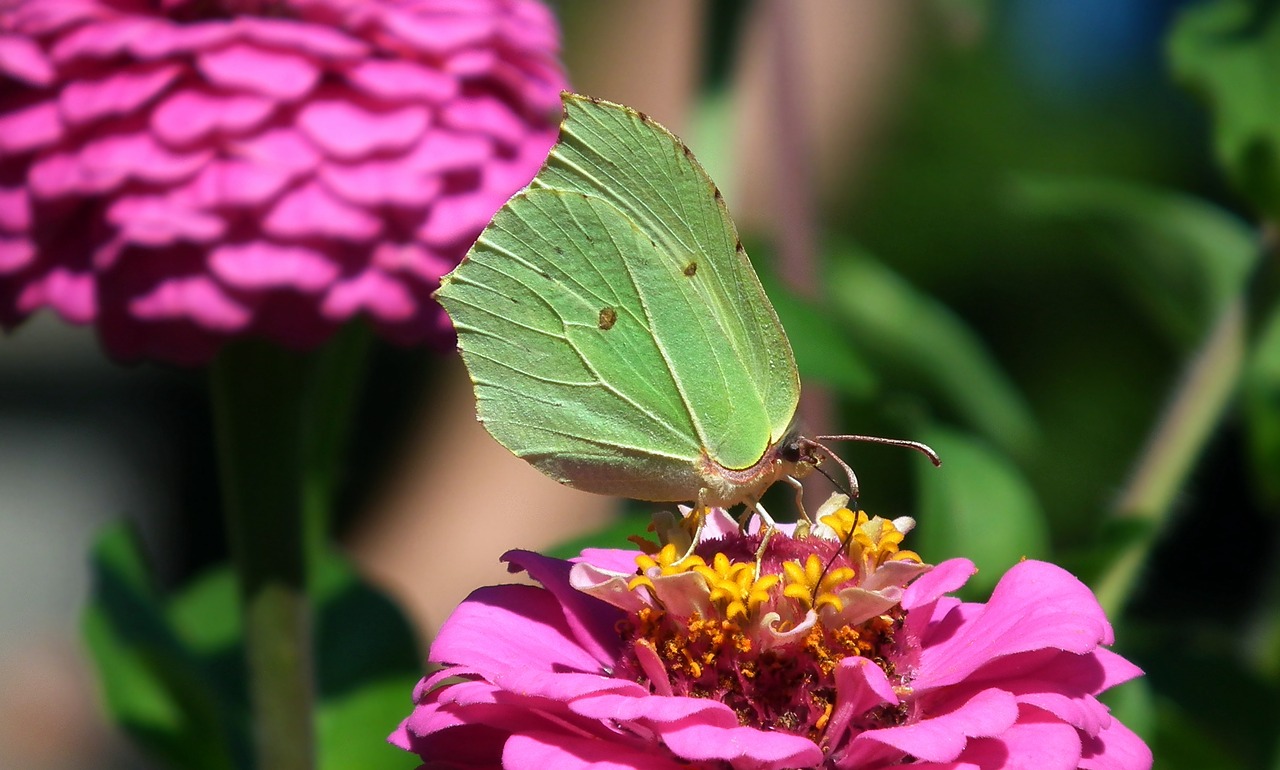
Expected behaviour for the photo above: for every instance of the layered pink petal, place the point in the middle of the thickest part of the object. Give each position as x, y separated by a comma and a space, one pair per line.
120, 92
264, 265
193, 115
347, 131
275, 74
941, 737
1034, 606
498, 629
541, 750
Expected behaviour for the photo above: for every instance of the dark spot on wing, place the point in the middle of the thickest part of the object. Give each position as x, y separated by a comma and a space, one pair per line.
687, 152
691, 269
608, 317
738, 246
642, 116
719, 197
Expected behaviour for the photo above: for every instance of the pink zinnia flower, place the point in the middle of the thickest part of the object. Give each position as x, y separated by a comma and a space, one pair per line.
181, 172
828, 649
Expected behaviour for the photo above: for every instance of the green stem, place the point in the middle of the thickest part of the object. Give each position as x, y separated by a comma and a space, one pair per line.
257, 409
328, 403
1171, 451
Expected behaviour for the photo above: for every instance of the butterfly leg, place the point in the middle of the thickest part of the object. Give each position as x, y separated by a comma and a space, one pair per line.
804, 522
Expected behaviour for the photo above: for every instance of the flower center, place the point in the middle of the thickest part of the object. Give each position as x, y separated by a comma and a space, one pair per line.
760, 623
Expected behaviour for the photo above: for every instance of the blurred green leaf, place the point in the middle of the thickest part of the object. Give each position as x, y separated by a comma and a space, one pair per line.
173, 672
823, 354
1228, 53
369, 664
977, 505
1262, 408
921, 345
1180, 257
156, 688
612, 535
1183, 744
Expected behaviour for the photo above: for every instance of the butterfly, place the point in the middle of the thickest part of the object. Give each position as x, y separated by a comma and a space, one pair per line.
616, 334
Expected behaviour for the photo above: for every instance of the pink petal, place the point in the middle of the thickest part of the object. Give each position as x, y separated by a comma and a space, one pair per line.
544, 750
156, 220
373, 292
439, 33
244, 67
314, 39
346, 131
742, 747
72, 294
197, 298
941, 738
441, 150
120, 92
15, 254
1116, 748
412, 259
264, 265
456, 219
311, 211
470, 746
1116, 670
282, 148
591, 620
503, 627
402, 80
654, 710
1083, 712
21, 59
378, 183
531, 29
106, 162
611, 559
1034, 606
233, 183
181, 40
472, 63
105, 38
28, 128
192, 115
487, 115
861, 685
1028, 745
15, 209
944, 578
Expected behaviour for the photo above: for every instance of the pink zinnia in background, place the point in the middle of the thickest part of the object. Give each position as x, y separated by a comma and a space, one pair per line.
835, 649
180, 173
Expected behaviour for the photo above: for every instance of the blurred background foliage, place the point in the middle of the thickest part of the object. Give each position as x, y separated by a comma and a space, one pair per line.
1037, 234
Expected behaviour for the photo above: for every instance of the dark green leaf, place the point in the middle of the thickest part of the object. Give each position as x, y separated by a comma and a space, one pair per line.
923, 346
1180, 257
172, 670
1262, 407
155, 687
823, 354
1228, 53
369, 664
977, 505
612, 535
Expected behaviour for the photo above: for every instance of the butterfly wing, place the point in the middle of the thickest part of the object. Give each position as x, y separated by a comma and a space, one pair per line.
611, 322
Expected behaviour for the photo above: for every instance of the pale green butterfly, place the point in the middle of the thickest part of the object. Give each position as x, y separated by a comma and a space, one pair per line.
618, 339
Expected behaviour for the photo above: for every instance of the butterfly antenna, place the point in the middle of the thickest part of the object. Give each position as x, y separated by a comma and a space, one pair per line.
920, 447
840, 486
